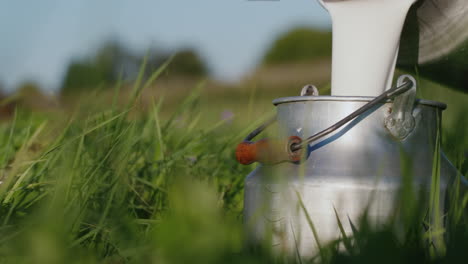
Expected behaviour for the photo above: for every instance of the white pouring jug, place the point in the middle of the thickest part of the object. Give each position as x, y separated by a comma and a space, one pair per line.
366, 35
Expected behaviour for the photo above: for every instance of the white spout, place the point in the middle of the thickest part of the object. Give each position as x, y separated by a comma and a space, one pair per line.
366, 35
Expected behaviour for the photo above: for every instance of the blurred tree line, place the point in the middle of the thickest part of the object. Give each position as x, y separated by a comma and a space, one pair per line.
113, 62
298, 45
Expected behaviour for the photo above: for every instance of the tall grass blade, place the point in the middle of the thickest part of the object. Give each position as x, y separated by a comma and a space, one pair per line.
312, 226
346, 240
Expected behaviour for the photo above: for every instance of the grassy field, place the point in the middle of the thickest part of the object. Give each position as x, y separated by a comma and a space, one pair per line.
143, 175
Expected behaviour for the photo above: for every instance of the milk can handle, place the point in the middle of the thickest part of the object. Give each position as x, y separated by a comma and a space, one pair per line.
269, 151
276, 151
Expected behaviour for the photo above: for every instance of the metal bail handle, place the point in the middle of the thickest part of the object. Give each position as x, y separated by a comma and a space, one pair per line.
269, 151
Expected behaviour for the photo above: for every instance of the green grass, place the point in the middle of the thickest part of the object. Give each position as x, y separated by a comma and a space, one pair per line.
117, 185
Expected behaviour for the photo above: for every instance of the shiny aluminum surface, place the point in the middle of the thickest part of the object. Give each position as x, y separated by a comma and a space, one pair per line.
357, 167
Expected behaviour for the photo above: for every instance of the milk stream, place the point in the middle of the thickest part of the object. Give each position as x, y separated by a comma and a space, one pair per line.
366, 35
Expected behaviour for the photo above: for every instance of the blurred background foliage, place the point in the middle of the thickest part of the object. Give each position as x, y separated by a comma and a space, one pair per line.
113, 63
299, 44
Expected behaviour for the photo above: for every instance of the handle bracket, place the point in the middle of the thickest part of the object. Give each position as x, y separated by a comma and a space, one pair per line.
401, 122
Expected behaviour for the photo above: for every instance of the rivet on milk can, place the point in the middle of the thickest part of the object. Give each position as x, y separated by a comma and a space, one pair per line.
339, 157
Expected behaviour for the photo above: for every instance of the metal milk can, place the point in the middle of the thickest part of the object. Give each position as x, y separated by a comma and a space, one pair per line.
341, 156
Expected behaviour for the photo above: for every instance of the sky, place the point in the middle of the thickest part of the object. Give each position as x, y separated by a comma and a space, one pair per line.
39, 38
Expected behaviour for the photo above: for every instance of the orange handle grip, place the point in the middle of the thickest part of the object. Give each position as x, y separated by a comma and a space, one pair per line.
268, 151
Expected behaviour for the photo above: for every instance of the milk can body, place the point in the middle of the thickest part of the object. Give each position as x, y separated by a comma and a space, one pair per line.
356, 169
